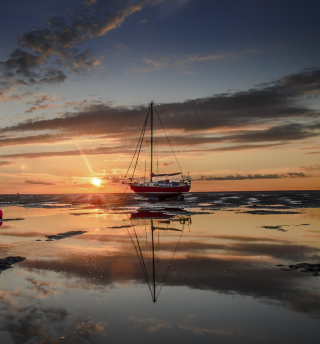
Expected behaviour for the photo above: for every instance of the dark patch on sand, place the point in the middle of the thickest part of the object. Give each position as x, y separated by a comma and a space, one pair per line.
6, 263
278, 228
78, 214
311, 269
63, 235
16, 219
270, 212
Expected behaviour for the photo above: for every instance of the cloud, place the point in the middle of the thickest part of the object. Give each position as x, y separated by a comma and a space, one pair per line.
278, 133
38, 182
32, 139
5, 163
312, 167
61, 35
24, 68
22, 62
7, 88
256, 106
234, 148
173, 62
261, 117
121, 149
313, 153
254, 176
87, 151
306, 82
285, 132
42, 107
52, 76
96, 119
41, 99
58, 44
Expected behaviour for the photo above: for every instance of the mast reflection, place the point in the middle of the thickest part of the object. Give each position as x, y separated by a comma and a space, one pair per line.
156, 236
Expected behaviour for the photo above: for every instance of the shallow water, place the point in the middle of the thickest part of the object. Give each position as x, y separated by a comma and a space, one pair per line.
203, 270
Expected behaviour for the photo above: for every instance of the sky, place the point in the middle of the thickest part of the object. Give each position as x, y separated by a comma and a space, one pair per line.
235, 83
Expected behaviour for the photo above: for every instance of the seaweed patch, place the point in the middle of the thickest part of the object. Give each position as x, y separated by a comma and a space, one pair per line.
311, 269
6, 263
63, 235
278, 228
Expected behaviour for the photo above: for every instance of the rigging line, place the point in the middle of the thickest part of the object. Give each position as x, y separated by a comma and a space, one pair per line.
153, 266
142, 132
143, 267
143, 264
169, 141
170, 263
124, 192
141, 252
141, 141
141, 136
157, 156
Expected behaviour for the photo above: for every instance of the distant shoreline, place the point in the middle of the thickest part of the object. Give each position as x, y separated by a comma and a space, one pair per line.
128, 193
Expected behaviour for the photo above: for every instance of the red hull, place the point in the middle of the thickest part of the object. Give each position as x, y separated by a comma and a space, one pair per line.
158, 191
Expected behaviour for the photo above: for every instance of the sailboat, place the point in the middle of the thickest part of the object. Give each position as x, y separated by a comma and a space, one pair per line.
158, 186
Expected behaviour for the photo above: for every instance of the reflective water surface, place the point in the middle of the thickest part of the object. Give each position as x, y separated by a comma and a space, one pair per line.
210, 269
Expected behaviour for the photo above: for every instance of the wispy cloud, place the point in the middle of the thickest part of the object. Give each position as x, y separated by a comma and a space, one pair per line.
33, 139
214, 57
41, 98
312, 167
313, 153
88, 151
5, 163
173, 62
38, 104
42, 107
254, 176
235, 148
38, 182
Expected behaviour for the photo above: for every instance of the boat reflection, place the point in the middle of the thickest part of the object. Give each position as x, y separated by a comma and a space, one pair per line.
156, 236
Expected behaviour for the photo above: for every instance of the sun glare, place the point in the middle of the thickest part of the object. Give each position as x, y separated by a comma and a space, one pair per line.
96, 181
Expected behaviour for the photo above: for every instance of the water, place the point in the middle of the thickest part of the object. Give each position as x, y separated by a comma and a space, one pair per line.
209, 269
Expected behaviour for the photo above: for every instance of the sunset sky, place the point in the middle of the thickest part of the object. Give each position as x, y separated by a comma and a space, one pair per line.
236, 84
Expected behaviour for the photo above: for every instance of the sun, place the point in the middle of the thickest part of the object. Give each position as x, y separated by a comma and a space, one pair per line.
96, 181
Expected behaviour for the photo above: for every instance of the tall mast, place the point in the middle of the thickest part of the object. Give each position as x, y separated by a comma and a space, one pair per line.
151, 106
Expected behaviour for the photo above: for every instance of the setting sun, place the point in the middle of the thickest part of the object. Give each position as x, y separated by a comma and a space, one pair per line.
96, 181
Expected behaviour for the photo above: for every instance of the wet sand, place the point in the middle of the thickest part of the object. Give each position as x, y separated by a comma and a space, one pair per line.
219, 267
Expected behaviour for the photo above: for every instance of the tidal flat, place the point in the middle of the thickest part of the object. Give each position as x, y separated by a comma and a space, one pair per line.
236, 267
